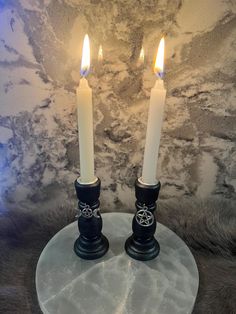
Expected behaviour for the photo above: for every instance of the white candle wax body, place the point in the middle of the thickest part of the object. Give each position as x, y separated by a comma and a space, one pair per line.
153, 135
85, 126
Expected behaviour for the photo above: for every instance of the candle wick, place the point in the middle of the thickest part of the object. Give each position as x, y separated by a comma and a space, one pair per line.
160, 75
84, 72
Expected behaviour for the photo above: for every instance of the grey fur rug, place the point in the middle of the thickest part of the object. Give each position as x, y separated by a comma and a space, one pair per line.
208, 228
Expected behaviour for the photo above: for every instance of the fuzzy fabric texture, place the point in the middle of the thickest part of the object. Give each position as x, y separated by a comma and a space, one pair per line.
208, 228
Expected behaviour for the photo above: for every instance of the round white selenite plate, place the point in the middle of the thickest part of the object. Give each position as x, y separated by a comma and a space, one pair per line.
116, 283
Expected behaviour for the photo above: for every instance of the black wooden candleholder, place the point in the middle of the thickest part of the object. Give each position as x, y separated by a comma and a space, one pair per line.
142, 245
91, 243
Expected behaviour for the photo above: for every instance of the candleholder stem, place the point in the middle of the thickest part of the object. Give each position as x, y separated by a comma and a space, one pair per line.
142, 245
91, 243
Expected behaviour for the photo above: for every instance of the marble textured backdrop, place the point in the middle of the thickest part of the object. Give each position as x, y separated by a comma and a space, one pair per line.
40, 50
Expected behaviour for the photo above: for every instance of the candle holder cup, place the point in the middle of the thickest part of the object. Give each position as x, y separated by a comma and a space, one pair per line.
142, 245
91, 243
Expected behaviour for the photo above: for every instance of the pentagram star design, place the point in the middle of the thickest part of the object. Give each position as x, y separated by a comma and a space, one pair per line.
144, 218
87, 212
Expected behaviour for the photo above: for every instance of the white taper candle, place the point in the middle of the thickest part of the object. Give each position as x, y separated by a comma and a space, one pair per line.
155, 117
85, 120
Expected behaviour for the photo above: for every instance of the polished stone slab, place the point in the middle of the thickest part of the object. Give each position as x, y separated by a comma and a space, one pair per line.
116, 284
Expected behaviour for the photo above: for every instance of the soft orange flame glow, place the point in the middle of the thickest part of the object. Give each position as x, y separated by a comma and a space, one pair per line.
159, 64
100, 53
141, 55
85, 62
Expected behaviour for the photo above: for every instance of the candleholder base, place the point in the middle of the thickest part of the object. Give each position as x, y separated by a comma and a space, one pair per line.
142, 245
142, 250
91, 244
91, 249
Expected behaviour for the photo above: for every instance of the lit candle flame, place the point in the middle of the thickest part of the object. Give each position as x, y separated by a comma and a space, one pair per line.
85, 62
141, 55
100, 53
159, 64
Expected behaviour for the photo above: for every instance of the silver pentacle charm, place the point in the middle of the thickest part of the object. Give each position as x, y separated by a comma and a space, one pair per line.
144, 218
86, 212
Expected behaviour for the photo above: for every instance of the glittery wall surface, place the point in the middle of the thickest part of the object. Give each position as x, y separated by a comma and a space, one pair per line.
40, 51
